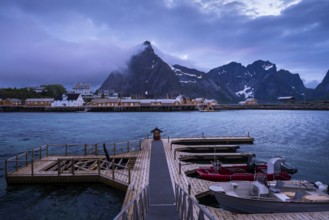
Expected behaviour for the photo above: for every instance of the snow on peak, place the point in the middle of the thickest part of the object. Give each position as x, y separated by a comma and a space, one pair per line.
267, 66
248, 92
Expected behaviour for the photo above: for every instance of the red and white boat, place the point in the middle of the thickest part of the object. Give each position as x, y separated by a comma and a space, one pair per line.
274, 169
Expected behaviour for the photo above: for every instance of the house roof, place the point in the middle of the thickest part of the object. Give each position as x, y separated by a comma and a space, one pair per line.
130, 100
69, 97
39, 100
250, 99
105, 100
14, 100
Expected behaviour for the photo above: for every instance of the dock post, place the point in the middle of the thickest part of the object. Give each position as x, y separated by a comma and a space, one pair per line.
99, 167
128, 174
85, 149
6, 168
47, 150
72, 166
26, 162
175, 155
96, 149
40, 156
114, 148
59, 167
189, 189
65, 149
180, 168
127, 146
32, 172
32, 154
16, 162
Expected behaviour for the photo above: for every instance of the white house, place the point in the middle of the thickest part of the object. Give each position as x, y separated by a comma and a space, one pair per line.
82, 88
69, 100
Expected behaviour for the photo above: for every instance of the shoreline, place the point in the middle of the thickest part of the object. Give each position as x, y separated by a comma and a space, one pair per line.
301, 106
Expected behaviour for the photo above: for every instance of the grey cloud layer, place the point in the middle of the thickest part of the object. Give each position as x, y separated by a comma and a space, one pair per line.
83, 40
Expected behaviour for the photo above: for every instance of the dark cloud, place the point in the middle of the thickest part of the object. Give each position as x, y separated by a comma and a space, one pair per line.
84, 40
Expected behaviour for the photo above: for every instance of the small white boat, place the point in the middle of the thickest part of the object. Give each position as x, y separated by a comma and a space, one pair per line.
277, 197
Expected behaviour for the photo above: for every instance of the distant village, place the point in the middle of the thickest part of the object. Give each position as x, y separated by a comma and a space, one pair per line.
82, 98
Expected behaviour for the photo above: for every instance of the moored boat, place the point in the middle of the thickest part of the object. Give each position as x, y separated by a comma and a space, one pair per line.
274, 169
278, 197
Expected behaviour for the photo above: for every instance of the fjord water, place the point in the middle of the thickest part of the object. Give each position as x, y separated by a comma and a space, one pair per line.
302, 137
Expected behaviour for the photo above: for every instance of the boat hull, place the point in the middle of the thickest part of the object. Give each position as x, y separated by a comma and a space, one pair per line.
224, 175
243, 205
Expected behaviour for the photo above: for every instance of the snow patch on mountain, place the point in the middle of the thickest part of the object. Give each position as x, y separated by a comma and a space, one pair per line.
220, 73
179, 72
267, 66
247, 92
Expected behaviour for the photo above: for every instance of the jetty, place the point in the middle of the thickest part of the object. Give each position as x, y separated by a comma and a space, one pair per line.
148, 170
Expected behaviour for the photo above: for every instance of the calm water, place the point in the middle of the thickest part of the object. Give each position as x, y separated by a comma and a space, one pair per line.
302, 137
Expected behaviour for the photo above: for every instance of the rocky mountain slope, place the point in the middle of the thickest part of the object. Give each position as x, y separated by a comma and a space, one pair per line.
147, 75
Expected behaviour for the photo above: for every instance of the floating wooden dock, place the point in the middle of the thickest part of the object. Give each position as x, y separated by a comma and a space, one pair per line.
131, 174
208, 148
213, 140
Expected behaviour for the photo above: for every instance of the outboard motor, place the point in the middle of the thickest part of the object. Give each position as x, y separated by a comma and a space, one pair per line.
322, 187
217, 165
288, 168
251, 164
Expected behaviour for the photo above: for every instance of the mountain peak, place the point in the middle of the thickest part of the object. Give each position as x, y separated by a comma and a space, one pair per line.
148, 47
147, 43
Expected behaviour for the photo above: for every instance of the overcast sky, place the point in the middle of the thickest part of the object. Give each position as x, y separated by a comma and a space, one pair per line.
69, 41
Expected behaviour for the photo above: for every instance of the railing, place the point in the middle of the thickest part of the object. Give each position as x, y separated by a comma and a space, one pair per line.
36, 156
76, 167
187, 206
137, 208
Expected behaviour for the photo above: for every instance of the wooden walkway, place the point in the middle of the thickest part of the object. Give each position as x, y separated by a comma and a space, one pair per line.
94, 168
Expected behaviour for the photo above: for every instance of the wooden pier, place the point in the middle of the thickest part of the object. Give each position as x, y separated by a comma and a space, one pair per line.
129, 170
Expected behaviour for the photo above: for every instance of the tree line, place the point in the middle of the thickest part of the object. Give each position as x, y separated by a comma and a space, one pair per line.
48, 91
